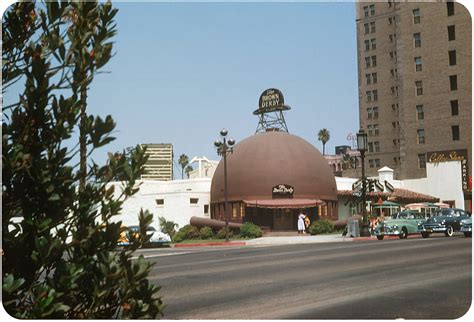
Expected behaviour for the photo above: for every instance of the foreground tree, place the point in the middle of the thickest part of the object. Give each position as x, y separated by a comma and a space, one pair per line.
323, 136
60, 255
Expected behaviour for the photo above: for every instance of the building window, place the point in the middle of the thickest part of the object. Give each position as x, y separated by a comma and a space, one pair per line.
451, 32
375, 94
454, 108
421, 136
160, 202
368, 96
374, 78
368, 79
371, 163
193, 201
422, 161
419, 88
234, 210
416, 16
371, 146
390, 20
376, 112
366, 28
370, 130
367, 45
377, 163
452, 57
420, 114
390, 38
373, 44
366, 11
377, 146
376, 129
372, 10
394, 125
374, 61
372, 27
394, 141
367, 62
418, 65
417, 38
450, 7
453, 82
395, 160
206, 209
455, 132
370, 113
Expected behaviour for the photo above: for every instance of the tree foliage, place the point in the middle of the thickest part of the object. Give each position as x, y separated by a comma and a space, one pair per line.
183, 161
323, 136
60, 258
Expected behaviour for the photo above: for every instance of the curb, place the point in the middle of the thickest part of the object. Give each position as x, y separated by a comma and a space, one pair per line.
385, 237
211, 244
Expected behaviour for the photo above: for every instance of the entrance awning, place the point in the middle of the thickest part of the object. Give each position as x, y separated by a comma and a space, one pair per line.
284, 203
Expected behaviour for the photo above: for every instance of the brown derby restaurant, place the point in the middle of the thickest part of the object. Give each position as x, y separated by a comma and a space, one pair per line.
272, 176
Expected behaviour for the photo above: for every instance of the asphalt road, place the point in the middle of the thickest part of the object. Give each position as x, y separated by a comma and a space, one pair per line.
389, 279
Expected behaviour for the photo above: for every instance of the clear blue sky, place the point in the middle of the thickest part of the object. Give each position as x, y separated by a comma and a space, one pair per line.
183, 71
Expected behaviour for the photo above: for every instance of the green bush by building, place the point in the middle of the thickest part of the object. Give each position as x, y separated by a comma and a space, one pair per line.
321, 227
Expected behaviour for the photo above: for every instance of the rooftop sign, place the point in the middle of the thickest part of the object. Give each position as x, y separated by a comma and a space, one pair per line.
271, 100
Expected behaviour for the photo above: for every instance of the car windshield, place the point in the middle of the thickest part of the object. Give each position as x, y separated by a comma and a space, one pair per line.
134, 228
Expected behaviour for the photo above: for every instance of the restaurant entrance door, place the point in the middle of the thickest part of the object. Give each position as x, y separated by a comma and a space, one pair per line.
283, 219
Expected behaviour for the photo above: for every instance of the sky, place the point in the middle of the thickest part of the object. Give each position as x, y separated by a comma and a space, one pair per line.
183, 71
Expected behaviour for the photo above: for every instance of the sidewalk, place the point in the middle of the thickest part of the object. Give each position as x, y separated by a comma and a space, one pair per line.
291, 240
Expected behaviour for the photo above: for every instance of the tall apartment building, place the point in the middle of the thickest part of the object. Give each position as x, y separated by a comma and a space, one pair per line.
159, 165
414, 62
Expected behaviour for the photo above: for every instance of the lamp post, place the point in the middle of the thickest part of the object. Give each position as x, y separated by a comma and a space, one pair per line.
223, 148
362, 147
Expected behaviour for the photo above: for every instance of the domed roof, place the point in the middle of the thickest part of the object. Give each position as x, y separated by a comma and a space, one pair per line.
265, 160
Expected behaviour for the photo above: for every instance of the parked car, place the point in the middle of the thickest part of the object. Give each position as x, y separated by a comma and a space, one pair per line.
466, 227
400, 224
446, 220
157, 238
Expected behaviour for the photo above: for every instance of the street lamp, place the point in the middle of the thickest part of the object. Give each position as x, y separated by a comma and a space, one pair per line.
223, 148
362, 147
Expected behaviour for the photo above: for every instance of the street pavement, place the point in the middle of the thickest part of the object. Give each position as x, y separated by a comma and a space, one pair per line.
411, 279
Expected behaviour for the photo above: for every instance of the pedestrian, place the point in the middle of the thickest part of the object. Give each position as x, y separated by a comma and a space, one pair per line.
307, 222
301, 223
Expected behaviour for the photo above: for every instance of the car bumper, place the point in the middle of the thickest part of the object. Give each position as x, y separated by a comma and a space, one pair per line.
388, 233
466, 229
432, 229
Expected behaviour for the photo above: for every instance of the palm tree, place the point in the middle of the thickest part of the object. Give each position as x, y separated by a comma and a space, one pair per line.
323, 136
188, 169
183, 161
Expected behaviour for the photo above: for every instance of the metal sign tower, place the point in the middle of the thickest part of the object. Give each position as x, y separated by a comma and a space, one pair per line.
270, 111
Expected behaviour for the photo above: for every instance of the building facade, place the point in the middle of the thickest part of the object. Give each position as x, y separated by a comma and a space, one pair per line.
159, 165
414, 63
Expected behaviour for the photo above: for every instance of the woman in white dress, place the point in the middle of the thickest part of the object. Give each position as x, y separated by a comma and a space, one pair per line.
301, 223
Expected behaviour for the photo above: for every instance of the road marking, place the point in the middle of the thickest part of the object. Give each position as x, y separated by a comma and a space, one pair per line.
160, 255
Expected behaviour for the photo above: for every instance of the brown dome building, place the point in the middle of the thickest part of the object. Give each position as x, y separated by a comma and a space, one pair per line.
272, 176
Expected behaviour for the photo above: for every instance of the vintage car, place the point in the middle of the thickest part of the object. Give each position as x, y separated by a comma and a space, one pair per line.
400, 224
157, 238
466, 227
446, 220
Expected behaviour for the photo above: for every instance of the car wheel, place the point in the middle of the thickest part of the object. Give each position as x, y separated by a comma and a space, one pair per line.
449, 231
379, 237
404, 233
467, 234
425, 235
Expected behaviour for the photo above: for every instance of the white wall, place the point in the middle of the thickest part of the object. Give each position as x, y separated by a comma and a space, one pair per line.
176, 195
443, 180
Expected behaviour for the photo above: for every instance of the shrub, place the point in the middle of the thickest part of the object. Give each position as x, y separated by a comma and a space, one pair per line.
206, 232
187, 232
321, 227
249, 230
221, 233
